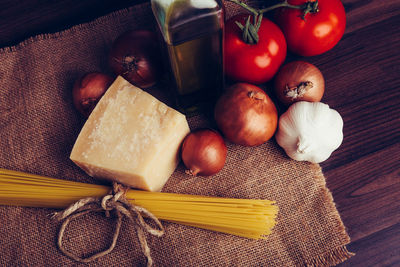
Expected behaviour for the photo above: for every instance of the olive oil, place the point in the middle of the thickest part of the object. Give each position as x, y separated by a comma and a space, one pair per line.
192, 31
197, 71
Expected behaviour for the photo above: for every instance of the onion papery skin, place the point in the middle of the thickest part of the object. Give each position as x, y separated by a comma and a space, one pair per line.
295, 73
136, 56
88, 90
246, 115
203, 152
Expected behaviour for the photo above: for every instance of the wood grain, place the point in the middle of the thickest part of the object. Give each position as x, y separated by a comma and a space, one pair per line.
363, 174
361, 13
378, 249
362, 82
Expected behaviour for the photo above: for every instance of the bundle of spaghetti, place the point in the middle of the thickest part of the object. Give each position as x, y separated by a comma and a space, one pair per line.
251, 218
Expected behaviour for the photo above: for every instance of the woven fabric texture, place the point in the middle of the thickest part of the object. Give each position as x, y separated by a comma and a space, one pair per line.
38, 127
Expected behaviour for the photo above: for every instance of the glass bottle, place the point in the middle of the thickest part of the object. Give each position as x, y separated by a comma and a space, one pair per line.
192, 31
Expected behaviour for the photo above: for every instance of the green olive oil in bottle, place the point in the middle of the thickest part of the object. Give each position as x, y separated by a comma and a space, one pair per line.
193, 34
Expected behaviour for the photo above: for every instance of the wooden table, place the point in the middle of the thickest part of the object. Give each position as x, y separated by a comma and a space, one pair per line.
362, 82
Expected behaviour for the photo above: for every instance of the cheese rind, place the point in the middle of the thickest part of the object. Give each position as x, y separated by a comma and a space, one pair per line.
131, 137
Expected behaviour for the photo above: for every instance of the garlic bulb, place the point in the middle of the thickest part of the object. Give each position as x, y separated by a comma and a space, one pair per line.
310, 131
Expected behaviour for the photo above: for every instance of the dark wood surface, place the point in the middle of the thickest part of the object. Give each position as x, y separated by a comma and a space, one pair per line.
362, 82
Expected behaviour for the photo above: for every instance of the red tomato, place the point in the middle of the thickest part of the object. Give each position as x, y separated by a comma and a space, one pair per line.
253, 63
318, 33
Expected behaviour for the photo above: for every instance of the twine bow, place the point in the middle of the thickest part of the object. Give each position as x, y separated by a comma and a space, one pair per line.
117, 202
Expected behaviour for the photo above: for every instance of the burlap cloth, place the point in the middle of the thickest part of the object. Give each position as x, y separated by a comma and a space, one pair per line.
38, 126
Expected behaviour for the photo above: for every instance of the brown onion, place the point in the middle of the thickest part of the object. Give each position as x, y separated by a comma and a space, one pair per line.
299, 81
246, 115
136, 56
203, 152
88, 90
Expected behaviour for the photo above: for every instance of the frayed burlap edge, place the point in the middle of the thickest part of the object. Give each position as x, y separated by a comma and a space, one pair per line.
320, 177
340, 254
331, 258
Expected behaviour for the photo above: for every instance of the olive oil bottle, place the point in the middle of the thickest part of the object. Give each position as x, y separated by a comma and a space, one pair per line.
192, 31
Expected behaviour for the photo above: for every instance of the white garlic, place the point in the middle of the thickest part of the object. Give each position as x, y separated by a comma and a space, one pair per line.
310, 131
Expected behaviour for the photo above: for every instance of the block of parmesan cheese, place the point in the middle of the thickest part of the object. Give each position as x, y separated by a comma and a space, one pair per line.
131, 137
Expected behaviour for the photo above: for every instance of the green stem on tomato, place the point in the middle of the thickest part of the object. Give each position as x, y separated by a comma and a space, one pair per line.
308, 7
250, 30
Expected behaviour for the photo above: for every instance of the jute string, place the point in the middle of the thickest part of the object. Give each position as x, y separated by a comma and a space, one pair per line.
115, 201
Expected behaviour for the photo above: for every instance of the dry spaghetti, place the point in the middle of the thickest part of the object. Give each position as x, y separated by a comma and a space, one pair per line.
251, 218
